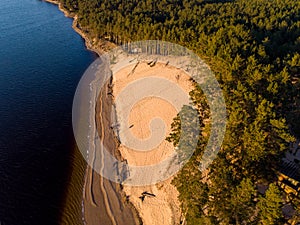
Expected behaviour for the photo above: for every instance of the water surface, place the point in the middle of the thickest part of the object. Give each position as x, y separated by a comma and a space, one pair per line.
41, 62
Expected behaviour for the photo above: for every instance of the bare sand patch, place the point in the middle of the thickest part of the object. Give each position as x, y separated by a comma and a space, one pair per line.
164, 208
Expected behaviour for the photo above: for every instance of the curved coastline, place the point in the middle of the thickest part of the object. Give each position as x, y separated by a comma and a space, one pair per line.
99, 47
88, 42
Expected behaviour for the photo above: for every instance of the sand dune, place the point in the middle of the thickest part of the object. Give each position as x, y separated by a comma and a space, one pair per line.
164, 208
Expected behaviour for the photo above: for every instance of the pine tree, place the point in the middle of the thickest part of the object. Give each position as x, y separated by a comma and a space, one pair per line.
270, 206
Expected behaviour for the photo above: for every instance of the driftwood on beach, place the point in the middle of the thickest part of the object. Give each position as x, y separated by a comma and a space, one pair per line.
134, 68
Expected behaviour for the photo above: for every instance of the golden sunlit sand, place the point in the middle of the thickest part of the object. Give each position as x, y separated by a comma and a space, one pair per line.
164, 208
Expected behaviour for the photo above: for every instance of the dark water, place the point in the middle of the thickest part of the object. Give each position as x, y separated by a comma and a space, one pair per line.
41, 62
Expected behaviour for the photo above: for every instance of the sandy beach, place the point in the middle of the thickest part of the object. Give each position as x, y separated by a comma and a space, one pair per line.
104, 201
164, 208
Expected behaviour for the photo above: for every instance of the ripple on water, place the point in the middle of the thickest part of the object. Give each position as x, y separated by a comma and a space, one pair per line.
41, 61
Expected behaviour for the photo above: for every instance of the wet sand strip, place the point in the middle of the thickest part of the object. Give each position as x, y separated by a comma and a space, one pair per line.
104, 201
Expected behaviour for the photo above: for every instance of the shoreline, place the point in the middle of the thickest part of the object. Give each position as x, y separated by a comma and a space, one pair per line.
100, 193
99, 47
103, 45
